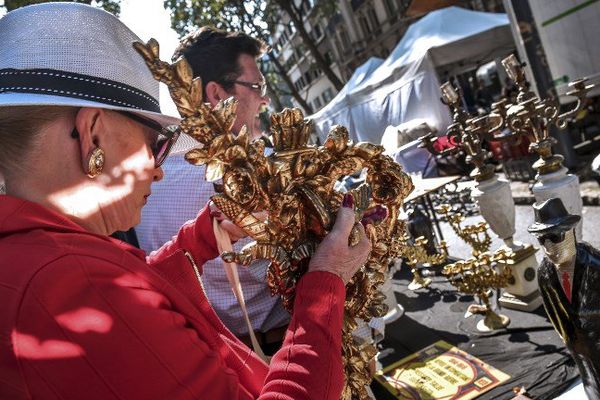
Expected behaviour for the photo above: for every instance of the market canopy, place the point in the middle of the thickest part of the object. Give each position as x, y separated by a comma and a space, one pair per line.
406, 86
339, 104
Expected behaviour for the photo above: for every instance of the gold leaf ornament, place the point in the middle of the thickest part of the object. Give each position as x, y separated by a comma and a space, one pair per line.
214, 170
295, 184
197, 156
184, 74
196, 91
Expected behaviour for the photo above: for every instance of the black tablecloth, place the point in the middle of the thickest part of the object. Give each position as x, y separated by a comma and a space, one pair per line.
529, 350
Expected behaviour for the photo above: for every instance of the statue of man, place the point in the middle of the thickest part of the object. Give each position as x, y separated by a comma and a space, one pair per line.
569, 280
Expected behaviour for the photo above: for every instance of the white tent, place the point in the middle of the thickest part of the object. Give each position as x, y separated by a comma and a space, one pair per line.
406, 85
339, 104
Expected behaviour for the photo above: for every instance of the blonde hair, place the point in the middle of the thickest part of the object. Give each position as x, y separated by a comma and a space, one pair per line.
20, 128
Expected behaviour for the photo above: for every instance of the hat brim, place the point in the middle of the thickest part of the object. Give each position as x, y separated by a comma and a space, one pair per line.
557, 224
12, 99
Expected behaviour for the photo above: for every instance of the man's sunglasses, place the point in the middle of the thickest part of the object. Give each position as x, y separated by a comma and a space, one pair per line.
165, 137
260, 87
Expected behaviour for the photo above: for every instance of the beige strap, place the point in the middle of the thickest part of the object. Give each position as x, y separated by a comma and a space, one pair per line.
224, 244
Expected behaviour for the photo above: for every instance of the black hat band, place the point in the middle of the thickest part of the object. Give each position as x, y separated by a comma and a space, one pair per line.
69, 84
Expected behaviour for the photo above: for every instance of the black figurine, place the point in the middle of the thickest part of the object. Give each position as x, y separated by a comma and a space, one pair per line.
419, 224
569, 280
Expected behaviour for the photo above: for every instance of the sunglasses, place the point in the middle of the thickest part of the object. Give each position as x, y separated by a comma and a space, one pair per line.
260, 87
554, 237
165, 136
165, 139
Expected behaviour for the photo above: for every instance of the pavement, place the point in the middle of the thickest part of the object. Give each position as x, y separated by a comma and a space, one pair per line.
590, 192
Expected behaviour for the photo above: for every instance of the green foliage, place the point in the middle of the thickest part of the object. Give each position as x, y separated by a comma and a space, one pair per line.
112, 6
232, 15
255, 17
258, 18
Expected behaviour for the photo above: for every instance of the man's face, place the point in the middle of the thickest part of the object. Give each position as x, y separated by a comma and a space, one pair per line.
560, 251
249, 99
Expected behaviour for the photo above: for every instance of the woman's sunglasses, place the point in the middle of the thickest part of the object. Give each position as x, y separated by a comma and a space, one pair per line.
165, 137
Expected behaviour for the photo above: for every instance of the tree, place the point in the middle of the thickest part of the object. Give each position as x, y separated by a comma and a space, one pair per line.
258, 18
112, 6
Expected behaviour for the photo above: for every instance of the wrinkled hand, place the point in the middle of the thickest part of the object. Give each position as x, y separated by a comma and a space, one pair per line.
335, 255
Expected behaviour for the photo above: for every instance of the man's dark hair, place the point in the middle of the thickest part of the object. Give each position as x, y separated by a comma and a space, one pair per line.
213, 54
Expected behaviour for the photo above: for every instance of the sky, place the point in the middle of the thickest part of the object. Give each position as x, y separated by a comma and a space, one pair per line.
149, 19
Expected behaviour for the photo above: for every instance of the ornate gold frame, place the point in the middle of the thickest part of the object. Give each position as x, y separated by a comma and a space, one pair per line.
295, 184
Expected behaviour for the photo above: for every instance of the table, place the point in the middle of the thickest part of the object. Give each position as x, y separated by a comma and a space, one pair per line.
529, 350
423, 188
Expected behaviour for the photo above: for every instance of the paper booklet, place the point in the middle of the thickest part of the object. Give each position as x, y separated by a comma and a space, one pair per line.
440, 371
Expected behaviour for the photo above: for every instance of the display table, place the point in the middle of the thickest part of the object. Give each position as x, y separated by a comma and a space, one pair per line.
529, 350
423, 188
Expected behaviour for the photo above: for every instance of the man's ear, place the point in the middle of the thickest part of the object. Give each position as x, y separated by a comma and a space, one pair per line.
215, 93
88, 127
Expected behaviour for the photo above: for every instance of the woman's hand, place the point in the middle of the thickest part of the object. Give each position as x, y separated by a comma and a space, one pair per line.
334, 254
235, 232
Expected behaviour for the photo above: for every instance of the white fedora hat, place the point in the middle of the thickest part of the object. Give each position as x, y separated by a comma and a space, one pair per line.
70, 54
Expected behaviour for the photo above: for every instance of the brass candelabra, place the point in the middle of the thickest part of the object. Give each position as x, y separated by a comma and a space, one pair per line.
417, 254
465, 133
533, 116
476, 236
477, 276
295, 184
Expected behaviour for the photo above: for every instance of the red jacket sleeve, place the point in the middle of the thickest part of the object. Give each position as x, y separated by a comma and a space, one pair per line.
309, 364
195, 236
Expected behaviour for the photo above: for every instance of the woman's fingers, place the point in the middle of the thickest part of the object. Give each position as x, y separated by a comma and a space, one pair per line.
235, 232
373, 215
344, 220
334, 254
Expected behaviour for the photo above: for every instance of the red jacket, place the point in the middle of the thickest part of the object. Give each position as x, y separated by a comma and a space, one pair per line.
85, 316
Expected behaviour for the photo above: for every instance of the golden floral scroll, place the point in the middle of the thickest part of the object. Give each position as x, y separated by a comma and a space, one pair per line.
295, 184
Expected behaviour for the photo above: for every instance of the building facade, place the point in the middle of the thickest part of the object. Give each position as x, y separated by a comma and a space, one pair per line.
356, 31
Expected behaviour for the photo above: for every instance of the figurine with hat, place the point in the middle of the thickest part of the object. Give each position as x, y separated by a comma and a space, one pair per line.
569, 281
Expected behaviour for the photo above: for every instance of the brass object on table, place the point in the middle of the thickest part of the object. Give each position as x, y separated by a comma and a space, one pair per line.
295, 185
477, 276
476, 236
533, 116
417, 254
466, 132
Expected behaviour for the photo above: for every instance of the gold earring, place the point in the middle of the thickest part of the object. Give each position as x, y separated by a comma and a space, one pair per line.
95, 162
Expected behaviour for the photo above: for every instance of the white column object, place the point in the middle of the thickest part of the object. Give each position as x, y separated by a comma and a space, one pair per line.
494, 198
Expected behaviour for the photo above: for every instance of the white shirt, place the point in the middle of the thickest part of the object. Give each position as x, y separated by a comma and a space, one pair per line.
175, 200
